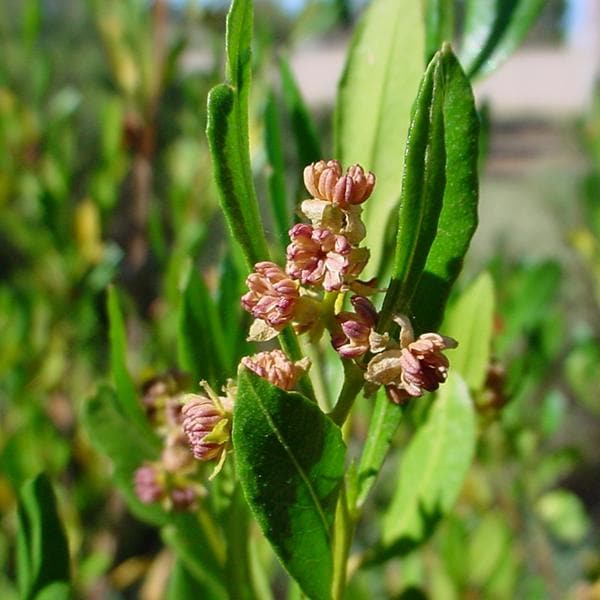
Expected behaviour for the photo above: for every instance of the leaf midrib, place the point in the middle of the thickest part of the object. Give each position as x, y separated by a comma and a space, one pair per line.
297, 466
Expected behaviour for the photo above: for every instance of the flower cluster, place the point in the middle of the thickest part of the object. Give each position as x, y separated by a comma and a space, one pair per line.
169, 480
323, 256
406, 368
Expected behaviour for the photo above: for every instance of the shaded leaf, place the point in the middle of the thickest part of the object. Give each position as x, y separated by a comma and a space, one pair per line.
42, 547
376, 93
290, 462
200, 340
127, 395
280, 209
105, 426
432, 469
308, 144
471, 322
227, 132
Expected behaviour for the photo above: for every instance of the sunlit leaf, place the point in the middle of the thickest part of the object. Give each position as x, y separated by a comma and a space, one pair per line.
376, 93
432, 469
471, 321
383, 424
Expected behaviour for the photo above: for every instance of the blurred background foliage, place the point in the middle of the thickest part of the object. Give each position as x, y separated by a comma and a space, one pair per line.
105, 178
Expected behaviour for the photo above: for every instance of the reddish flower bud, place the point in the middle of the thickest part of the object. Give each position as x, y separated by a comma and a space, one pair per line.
356, 329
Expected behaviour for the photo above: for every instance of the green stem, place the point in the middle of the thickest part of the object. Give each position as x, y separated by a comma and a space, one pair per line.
317, 375
289, 343
342, 539
213, 535
353, 382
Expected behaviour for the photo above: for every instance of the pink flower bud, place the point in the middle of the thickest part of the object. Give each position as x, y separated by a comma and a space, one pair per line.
277, 368
320, 178
273, 295
206, 426
356, 329
324, 181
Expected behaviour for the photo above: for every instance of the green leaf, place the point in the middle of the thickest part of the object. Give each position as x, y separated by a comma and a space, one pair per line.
308, 144
494, 30
200, 340
227, 132
42, 547
383, 424
376, 93
184, 586
290, 462
282, 217
189, 542
439, 22
488, 545
530, 296
58, 590
564, 514
105, 424
422, 191
471, 323
127, 395
432, 469
458, 219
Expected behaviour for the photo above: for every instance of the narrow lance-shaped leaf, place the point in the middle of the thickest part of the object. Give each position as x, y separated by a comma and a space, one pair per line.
494, 30
290, 462
458, 218
280, 210
42, 548
227, 132
127, 395
384, 422
376, 92
432, 469
471, 320
200, 341
423, 186
308, 145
